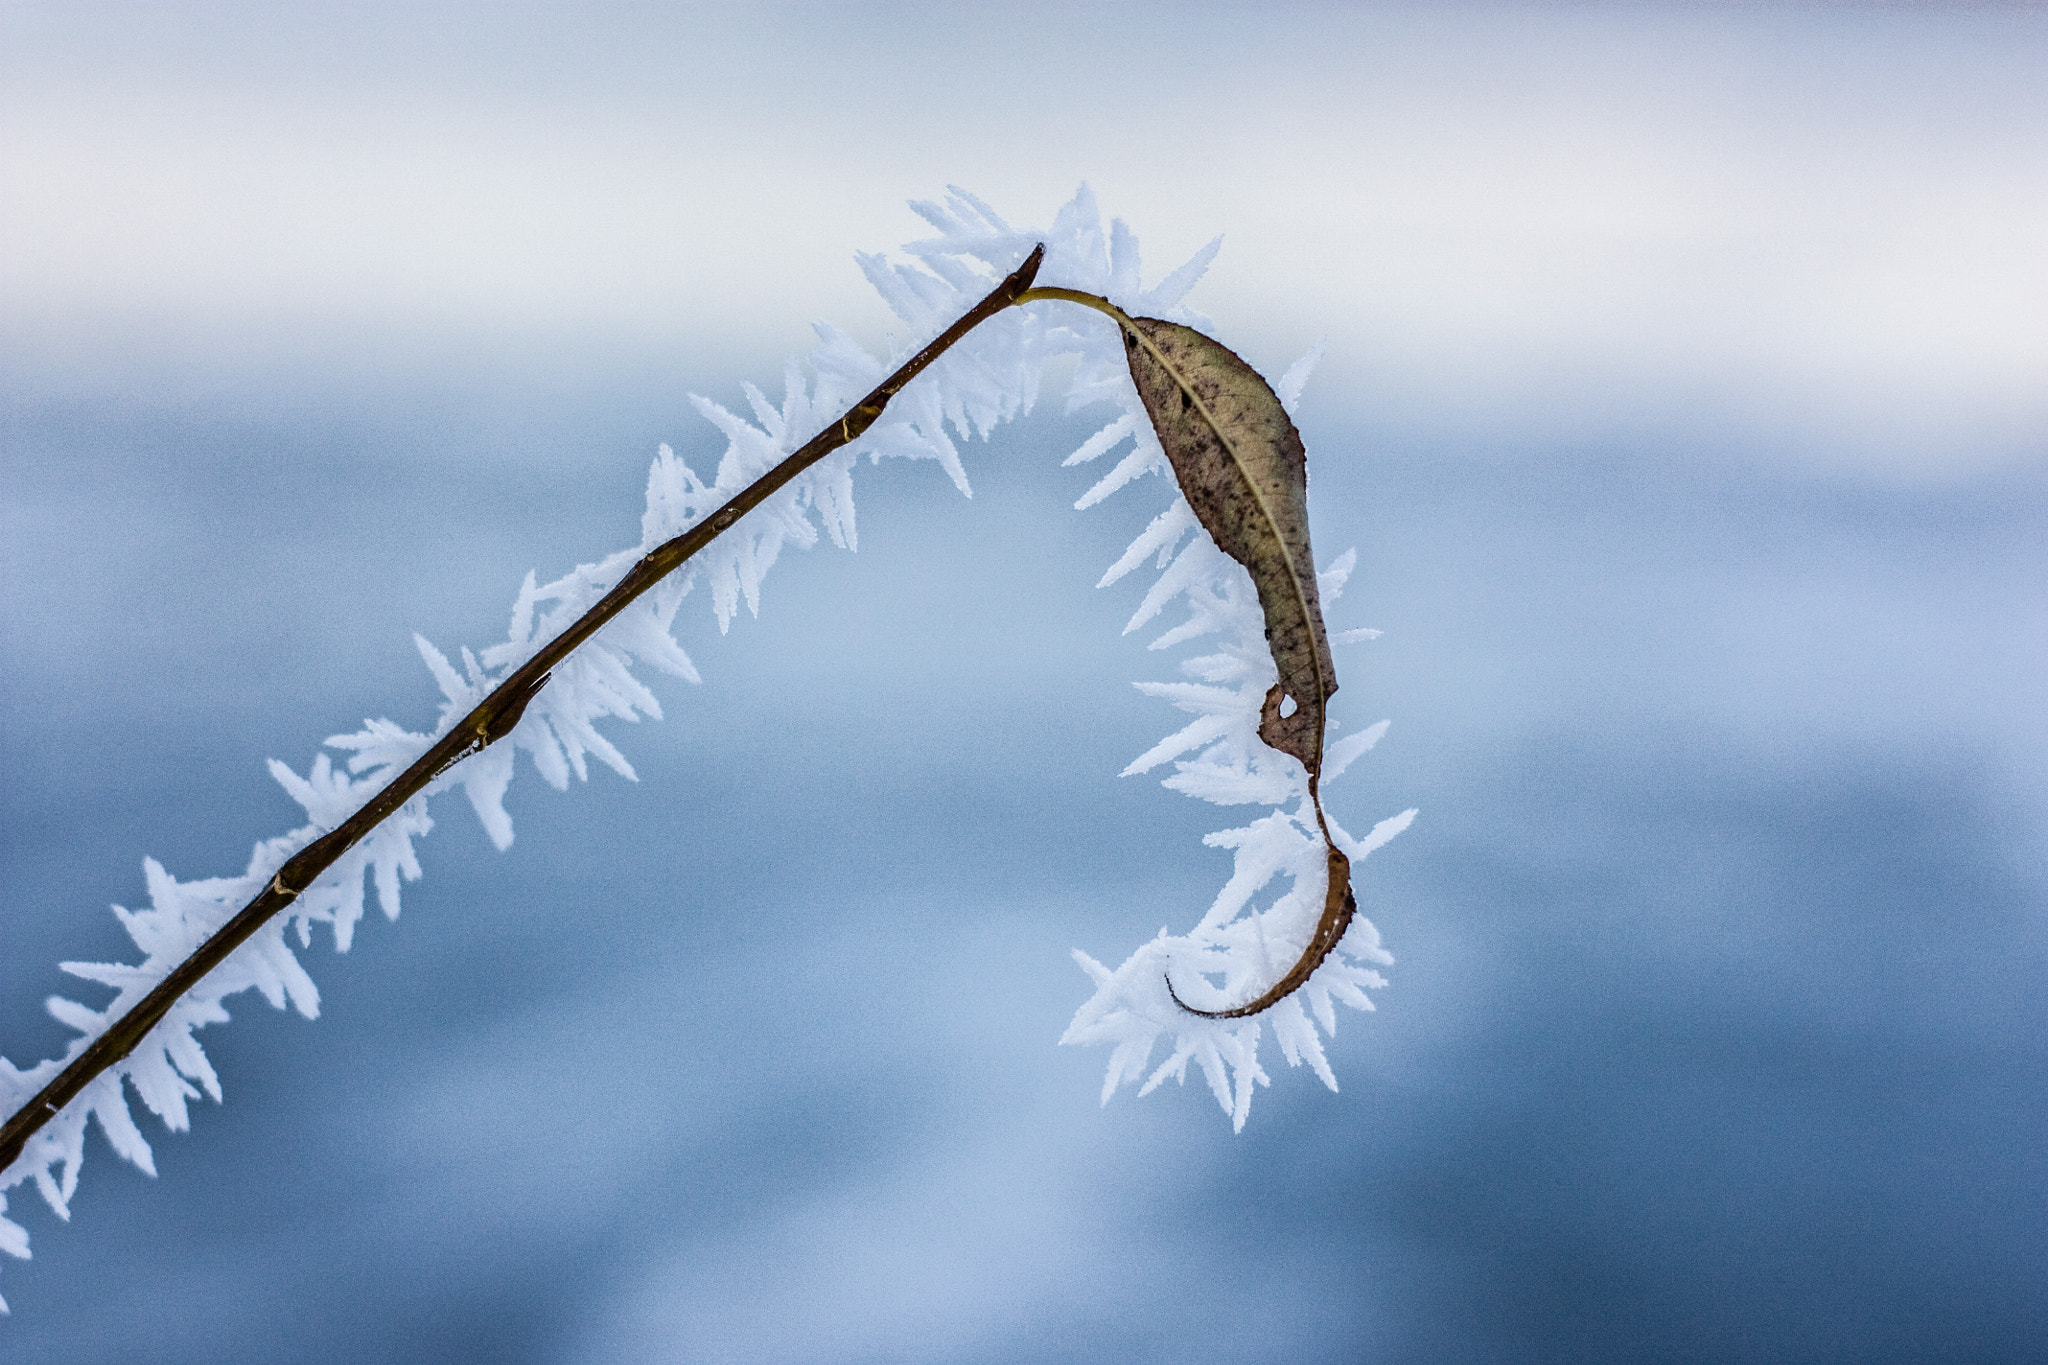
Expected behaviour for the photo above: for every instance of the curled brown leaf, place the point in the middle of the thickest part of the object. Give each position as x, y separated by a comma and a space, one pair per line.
1243, 469
1241, 465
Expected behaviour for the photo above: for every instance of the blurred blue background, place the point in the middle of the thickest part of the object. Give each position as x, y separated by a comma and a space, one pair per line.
1683, 400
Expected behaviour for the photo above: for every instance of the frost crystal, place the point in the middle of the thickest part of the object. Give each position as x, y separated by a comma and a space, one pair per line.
990, 378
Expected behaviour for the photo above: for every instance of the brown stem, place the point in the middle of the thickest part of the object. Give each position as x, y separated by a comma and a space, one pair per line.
493, 718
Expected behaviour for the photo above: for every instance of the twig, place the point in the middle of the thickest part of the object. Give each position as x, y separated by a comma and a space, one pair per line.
492, 719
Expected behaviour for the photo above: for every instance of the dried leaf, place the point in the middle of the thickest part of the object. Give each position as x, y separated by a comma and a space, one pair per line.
1243, 470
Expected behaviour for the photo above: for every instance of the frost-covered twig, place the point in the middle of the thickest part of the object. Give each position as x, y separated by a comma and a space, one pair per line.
493, 718
543, 689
